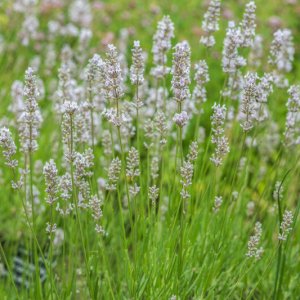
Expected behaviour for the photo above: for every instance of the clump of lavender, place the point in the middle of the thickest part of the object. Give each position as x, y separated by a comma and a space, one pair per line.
253, 250
286, 225
218, 137
31, 117
282, 50
217, 204
292, 136
249, 98
114, 171
248, 24
231, 60
51, 178
201, 77
210, 23
161, 46
9, 148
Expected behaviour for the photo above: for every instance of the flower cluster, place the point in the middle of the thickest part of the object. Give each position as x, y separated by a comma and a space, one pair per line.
111, 75
31, 117
248, 24
181, 72
218, 203
253, 250
138, 64
9, 147
161, 46
114, 171
210, 23
249, 98
218, 137
51, 178
282, 50
201, 77
286, 225
292, 134
231, 60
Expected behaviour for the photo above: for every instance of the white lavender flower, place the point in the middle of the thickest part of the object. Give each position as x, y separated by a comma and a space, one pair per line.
193, 151
138, 64
111, 74
253, 250
286, 225
181, 72
93, 69
292, 133
153, 194
114, 171
161, 46
133, 159
186, 172
80, 12
9, 148
231, 60
218, 137
210, 23
265, 87
95, 205
278, 191
249, 97
201, 77
181, 119
69, 110
282, 50
51, 178
31, 117
248, 24
218, 203
160, 125
50, 228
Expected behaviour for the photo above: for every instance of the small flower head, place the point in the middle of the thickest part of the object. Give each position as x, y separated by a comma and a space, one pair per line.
181, 119
253, 250
210, 23
217, 204
218, 137
286, 225
114, 172
248, 24
138, 64
51, 178
181, 71
9, 147
282, 50
161, 45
